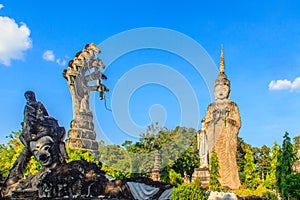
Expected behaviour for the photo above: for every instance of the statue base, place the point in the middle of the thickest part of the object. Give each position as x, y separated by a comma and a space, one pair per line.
82, 133
202, 174
83, 143
25, 194
84, 180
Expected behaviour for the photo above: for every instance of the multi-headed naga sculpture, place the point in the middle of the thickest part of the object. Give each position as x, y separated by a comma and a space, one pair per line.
84, 74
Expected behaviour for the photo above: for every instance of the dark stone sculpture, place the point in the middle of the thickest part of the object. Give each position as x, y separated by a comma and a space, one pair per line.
43, 138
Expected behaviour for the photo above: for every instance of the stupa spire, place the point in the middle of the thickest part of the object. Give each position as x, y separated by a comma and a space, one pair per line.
222, 62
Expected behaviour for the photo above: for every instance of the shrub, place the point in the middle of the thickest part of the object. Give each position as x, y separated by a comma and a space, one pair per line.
189, 191
260, 191
270, 195
80, 154
175, 178
244, 192
115, 173
197, 181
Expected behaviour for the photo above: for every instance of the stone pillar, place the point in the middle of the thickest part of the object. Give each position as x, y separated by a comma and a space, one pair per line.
84, 68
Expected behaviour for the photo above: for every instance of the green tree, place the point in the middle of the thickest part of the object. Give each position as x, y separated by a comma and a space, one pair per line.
287, 157
189, 160
114, 172
165, 175
141, 154
175, 146
80, 154
116, 160
214, 174
292, 189
297, 142
297, 149
9, 153
251, 177
271, 177
263, 161
241, 152
175, 178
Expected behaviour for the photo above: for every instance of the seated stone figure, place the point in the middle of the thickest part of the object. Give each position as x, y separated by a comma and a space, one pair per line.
37, 124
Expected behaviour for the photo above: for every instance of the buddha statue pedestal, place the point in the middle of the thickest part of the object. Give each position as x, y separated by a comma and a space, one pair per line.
202, 174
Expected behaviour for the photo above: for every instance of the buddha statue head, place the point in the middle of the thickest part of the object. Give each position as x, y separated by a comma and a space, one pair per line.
222, 87
222, 84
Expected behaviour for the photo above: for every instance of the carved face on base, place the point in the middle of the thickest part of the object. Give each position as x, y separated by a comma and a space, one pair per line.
43, 150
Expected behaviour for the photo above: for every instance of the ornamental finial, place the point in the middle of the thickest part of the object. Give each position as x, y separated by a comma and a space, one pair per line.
222, 62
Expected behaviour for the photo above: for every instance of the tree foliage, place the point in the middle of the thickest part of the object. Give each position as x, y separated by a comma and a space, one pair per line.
271, 177
116, 160
189, 191
214, 174
296, 142
263, 161
251, 176
179, 154
175, 178
292, 186
114, 172
241, 152
9, 153
261, 190
297, 149
287, 157
189, 160
80, 154
176, 147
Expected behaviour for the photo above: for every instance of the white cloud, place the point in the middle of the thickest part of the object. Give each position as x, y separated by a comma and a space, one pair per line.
49, 55
1, 6
14, 40
285, 84
280, 85
61, 62
296, 84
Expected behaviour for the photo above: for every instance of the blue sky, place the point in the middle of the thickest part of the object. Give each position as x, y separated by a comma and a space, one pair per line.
262, 56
